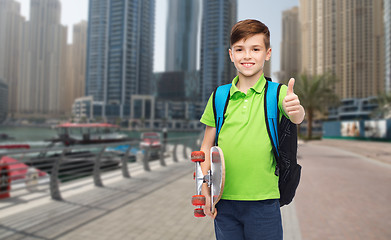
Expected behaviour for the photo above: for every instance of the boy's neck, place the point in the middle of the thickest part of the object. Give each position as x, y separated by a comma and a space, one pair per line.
245, 83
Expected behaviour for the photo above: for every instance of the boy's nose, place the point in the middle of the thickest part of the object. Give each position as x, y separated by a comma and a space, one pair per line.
247, 54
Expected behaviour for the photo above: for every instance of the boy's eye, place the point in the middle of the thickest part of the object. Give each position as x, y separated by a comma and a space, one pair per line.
238, 50
257, 49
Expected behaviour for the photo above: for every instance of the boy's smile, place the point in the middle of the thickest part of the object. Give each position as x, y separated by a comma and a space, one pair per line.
249, 56
248, 65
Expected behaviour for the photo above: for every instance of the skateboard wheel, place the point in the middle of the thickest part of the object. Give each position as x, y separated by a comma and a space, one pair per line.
197, 156
215, 157
199, 212
198, 200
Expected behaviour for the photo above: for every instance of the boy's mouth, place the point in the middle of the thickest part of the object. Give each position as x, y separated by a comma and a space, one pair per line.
248, 65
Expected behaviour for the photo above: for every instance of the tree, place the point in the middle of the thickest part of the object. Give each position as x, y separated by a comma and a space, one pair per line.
316, 94
384, 106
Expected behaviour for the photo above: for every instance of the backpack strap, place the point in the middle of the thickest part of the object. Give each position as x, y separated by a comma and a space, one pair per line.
220, 103
272, 91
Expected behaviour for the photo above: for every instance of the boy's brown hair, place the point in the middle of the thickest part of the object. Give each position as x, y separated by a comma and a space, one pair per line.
248, 28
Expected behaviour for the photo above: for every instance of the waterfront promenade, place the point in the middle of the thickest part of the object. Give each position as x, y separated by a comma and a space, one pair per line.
342, 195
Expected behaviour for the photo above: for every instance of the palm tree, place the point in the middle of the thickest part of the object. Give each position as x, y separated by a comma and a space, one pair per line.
316, 94
384, 106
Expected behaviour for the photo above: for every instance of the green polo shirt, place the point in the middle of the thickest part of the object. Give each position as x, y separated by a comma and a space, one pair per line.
249, 160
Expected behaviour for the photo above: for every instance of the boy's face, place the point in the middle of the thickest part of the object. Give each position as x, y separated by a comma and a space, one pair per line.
249, 56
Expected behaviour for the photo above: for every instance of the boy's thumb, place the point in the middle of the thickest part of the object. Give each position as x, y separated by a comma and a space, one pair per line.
291, 83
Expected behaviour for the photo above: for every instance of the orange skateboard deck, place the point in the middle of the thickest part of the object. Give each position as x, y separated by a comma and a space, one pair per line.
215, 179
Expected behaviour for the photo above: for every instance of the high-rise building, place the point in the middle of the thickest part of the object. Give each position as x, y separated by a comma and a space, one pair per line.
120, 53
307, 15
345, 38
67, 94
218, 17
387, 37
3, 100
182, 49
10, 36
76, 61
267, 68
290, 45
42, 61
182, 31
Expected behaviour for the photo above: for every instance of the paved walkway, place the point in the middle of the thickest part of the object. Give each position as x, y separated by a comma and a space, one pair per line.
379, 151
150, 205
344, 195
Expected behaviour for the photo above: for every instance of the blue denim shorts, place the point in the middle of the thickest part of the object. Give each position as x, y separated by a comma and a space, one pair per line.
248, 220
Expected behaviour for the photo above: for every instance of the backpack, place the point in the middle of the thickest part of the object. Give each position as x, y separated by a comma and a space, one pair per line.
282, 134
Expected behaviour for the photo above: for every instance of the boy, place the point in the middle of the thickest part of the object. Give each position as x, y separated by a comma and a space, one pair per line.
249, 207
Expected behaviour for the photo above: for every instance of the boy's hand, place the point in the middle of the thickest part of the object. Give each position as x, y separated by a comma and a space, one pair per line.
207, 208
291, 104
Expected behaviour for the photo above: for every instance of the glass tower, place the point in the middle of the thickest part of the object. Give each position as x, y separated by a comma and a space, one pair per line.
182, 29
387, 34
120, 53
218, 17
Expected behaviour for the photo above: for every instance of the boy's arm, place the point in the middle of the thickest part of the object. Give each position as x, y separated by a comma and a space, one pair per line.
291, 105
207, 143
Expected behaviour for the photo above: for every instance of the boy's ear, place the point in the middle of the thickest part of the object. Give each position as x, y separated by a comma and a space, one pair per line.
230, 54
268, 54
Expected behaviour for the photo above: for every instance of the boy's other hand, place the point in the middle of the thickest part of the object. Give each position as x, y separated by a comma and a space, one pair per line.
207, 209
291, 104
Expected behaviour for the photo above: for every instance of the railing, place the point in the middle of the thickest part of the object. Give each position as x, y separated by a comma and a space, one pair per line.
34, 173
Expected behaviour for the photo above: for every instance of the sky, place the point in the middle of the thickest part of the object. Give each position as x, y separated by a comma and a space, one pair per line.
269, 12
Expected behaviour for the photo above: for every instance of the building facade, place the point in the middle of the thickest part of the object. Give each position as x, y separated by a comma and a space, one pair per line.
290, 45
182, 32
183, 22
10, 36
218, 17
120, 53
42, 61
76, 65
3, 100
387, 37
345, 38
79, 55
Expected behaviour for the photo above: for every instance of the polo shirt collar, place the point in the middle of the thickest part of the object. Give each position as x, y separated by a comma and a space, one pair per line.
258, 87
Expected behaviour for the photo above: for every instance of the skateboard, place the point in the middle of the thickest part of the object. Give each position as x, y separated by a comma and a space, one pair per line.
215, 179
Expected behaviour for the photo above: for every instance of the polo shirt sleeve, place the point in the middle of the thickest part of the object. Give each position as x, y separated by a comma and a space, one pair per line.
208, 117
283, 91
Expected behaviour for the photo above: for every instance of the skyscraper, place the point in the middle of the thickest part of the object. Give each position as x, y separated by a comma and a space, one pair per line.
218, 17
76, 66
347, 39
3, 100
10, 36
387, 36
182, 30
42, 61
79, 52
120, 52
290, 45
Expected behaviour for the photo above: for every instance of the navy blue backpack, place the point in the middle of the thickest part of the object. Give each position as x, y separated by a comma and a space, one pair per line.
282, 134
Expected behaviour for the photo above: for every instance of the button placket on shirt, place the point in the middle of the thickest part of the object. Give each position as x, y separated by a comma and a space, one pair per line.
245, 105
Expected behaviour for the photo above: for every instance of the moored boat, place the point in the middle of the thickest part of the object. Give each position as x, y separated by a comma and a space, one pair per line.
88, 133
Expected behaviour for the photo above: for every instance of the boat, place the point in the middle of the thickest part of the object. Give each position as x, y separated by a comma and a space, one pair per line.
121, 150
14, 146
151, 141
4, 136
16, 175
88, 133
82, 161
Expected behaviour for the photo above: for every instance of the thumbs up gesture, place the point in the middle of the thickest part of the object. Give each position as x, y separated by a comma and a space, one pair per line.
291, 104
